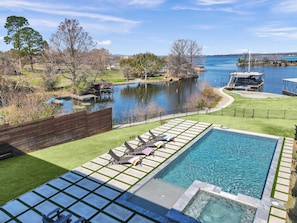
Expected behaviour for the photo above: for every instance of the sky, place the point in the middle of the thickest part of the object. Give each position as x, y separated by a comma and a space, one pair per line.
129, 27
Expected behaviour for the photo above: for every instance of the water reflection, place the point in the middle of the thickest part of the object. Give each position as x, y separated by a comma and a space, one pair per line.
172, 96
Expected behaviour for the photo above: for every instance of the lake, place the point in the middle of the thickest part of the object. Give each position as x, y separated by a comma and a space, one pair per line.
173, 96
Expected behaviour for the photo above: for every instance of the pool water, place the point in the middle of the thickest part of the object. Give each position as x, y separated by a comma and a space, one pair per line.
236, 162
209, 208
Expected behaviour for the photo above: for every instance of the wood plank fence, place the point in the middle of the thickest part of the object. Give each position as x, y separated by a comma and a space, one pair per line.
39, 134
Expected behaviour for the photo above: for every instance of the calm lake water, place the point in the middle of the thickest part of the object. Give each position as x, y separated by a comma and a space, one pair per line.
173, 96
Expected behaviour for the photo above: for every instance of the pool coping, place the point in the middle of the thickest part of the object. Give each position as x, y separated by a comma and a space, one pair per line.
263, 205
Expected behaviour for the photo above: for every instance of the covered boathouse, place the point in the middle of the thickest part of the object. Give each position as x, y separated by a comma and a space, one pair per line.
290, 86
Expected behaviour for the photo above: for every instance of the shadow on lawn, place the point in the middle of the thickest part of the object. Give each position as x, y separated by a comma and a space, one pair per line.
22, 173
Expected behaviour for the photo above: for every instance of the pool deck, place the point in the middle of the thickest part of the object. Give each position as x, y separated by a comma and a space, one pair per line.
94, 189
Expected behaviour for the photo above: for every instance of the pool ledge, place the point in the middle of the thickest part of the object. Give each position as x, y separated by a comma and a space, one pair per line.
176, 212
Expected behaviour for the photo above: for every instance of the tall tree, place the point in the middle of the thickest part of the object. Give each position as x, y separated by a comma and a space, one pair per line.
127, 66
181, 60
148, 63
31, 42
71, 43
13, 25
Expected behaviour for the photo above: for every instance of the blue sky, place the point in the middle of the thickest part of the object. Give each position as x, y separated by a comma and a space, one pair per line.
137, 26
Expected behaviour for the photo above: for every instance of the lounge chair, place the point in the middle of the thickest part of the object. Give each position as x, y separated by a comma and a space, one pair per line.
134, 160
139, 150
154, 137
55, 216
156, 144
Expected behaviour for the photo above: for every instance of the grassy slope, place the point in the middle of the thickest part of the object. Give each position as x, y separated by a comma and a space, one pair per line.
21, 174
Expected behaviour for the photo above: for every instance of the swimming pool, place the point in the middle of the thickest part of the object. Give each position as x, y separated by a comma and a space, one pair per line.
236, 162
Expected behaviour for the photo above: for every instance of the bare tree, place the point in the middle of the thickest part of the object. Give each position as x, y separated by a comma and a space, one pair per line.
98, 59
72, 43
181, 60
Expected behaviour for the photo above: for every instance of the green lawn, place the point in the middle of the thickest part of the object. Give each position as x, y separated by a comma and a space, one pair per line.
21, 174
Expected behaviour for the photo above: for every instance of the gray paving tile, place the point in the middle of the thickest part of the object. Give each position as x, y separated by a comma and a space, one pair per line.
82, 171
15, 207
31, 198
59, 183
63, 199
137, 218
107, 192
3, 216
30, 216
103, 218
278, 212
118, 185
96, 201
88, 184
273, 219
83, 210
92, 166
108, 172
76, 191
135, 173
99, 177
126, 178
46, 190
72, 177
118, 211
46, 207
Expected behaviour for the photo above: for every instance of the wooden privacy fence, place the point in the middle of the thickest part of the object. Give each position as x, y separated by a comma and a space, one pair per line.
34, 135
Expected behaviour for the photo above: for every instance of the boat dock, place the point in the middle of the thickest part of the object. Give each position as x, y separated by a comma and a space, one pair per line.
290, 86
248, 81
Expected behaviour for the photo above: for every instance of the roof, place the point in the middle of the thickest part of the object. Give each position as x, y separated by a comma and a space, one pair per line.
246, 74
291, 80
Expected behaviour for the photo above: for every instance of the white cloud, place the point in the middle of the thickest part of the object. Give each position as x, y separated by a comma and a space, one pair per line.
215, 2
146, 3
59, 9
104, 42
286, 6
276, 31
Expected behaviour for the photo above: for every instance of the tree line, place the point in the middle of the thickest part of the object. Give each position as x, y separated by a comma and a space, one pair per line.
71, 53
